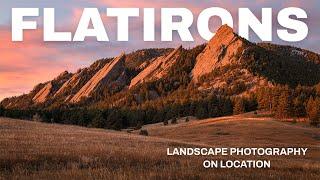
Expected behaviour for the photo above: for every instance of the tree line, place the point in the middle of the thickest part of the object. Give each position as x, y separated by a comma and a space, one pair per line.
282, 101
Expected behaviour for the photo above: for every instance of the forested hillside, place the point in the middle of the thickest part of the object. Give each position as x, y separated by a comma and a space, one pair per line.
228, 75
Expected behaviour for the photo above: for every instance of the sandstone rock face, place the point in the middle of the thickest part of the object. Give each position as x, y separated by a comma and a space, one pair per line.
158, 68
43, 94
71, 83
47, 91
240, 67
110, 72
224, 48
78, 80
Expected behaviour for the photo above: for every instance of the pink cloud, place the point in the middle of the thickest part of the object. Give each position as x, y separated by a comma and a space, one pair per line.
25, 64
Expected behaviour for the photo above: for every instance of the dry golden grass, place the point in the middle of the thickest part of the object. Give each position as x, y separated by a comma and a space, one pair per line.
31, 150
248, 129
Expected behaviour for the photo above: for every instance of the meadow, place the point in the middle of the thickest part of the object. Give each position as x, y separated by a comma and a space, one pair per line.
33, 150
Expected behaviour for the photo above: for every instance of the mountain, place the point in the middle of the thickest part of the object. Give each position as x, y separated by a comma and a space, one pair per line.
51, 87
111, 73
138, 59
231, 62
78, 80
223, 49
64, 90
41, 93
219, 65
158, 68
228, 65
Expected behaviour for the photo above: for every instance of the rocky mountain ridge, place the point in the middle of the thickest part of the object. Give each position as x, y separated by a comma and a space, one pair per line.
227, 64
158, 68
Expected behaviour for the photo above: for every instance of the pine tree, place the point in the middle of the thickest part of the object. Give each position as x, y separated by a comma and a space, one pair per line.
275, 95
318, 89
115, 120
98, 121
299, 107
239, 106
201, 111
313, 111
284, 108
227, 108
1, 110
213, 107
264, 98
317, 105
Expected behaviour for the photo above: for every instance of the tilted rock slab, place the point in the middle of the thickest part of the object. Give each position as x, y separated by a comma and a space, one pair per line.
107, 74
224, 48
157, 69
43, 94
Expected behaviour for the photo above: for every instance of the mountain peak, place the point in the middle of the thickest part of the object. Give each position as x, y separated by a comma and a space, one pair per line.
224, 35
224, 48
224, 29
228, 64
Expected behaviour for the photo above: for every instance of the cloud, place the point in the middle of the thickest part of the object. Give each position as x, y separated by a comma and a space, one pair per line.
25, 64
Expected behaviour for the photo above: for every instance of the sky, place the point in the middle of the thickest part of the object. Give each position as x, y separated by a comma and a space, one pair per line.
25, 64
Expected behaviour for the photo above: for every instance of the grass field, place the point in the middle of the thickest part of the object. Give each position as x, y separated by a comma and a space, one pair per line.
31, 150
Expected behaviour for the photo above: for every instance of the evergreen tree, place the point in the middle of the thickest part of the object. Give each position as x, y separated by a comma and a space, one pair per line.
98, 121
275, 99
313, 111
239, 106
1, 110
227, 108
318, 89
115, 120
284, 108
213, 107
251, 103
299, 106
201, 111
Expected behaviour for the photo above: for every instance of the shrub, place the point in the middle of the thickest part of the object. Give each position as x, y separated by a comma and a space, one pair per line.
139, 126
187, 119
174, 121
294, 121
143, 132
36, 117
165, 122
